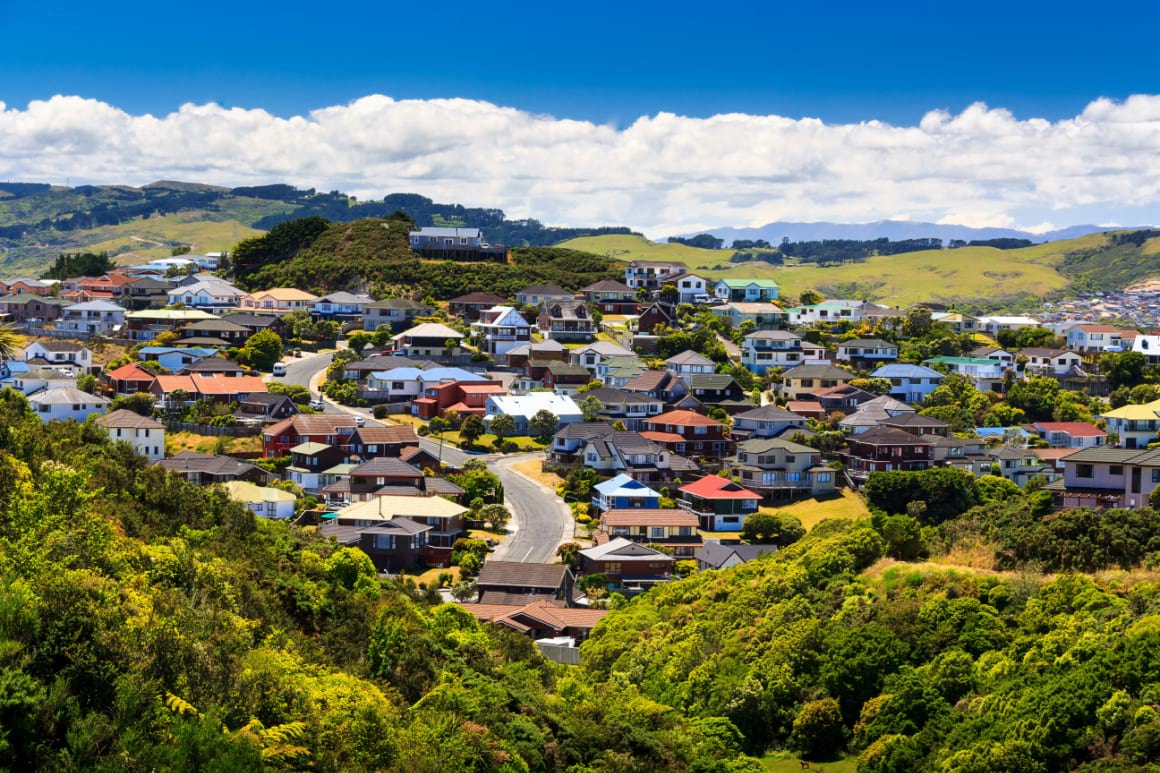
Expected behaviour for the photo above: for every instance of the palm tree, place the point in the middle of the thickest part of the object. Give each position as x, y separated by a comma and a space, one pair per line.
11, 341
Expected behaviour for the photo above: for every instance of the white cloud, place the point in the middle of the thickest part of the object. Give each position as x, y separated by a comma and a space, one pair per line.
663, 174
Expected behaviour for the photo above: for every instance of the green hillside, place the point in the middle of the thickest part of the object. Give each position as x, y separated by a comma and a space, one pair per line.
980, 275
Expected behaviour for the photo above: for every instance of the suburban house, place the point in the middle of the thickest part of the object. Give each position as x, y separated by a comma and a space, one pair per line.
764, 316
672, 528
127, 379
542, 620
330, 428
984, 373
513, 582
523, 409
826, 311
103, 318
691, 288
660, 384
1135, 426
501, 329
468, 307
884, 449
1069, 434
1093, 338
781, 470
864, 352
918, 425
214, 332
686, 432
765, 349
844, 398
58, 354
263, 501
688, 363
536, 295
210, 293
429, 340
256, 323
373, 442
25, 285
872, 413
387, 475
909, 383
394, 314
1104, 476
563, 378
341, 306
1054, 362
718, 389
209, 387
629, 408
446, 519
206, 469
411, 383
567, 321
519, 354
595, 354
1147, 345
278, 299
30, 309
147, 324
145, 434
308, 461
174, 358
394, 544
463, 398
66, 402
1019, 465
800, 381
991, 325
960, 323
623, 493
718, 503
441, 243
765, 421
625, 563
746, 290
715, 555
611, 296
991, 353
652, 274
601, 448
265, 407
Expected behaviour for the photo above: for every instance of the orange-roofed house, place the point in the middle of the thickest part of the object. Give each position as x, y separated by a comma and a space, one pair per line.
719, 503
221, 388
1069, 434
699, 435
466, 398
165, 387
128, 379
810, 409
671, 527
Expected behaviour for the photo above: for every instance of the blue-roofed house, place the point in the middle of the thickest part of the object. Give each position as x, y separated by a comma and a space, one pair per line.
174, 358
909, 383
622, 493
409, 382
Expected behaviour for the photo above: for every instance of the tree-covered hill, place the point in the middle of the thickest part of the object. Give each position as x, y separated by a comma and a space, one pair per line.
150, 624
375, 254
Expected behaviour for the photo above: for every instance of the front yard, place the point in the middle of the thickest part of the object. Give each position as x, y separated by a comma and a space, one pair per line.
811, 512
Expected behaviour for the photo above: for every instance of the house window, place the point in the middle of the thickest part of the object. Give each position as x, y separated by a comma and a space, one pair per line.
656, 532
1083, 471
1116, 469
1156, 475
384, 542
612, 567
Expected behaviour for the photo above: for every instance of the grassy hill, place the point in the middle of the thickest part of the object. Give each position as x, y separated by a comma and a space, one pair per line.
981, 275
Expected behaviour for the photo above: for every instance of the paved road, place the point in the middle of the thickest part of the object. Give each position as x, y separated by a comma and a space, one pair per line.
540, 520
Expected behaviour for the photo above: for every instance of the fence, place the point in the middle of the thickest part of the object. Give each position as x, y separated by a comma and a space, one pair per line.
569, 656
209, 429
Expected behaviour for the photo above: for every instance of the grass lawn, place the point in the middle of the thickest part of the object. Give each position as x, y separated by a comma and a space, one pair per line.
431, 576
532, 469
969, 272
486, 442
405, 419
784, 762
175, 442
811, 512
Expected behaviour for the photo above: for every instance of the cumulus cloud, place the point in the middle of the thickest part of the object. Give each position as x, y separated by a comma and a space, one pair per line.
663, 174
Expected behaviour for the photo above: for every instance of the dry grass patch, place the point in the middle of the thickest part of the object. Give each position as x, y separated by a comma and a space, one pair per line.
845, 504
176, 442
533, 469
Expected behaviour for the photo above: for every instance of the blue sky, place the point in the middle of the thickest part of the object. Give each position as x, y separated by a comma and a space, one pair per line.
669, 118
608, 62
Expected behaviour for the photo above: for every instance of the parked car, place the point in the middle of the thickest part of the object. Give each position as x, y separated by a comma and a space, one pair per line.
317, 404
279, 369
360, 421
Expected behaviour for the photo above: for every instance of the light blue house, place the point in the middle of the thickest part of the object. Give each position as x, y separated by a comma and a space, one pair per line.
746, 290
174, 358
624, 493
909, 383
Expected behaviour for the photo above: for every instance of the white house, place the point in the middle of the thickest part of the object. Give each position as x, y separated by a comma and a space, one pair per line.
869, 350
1149, 346
67, 402
58, 355
145, 434
1057, 362
909, 383
410, 382
595, 354
264, 501
340, 304
765, 349
987, 375
746, 290
523, 407
206, 294
501, 329
174, 358
689, 363
993, 324
92, 318
826, 311
278, 299
691, 288
763, 315
1093, 338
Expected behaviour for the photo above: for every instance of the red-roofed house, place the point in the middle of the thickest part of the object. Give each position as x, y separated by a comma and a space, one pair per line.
700, 435
128, 379
1069, 434
719, 503
810, 409
227, 388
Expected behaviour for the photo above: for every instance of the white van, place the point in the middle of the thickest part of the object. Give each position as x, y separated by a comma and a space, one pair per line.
279, 369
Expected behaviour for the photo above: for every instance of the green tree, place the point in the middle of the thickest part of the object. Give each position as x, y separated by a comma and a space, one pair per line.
496, 516
590, 408
810, 297
818, 731
569, 553
502, 425
138, 402
1123, 368
262, 350
544, 423
11, 341
472, 429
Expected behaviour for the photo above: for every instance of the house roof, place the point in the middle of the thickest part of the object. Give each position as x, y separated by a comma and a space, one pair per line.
622, 549
716, 487
715, 554
1098, 328
167, 384
769, 413
683, 419
806, 406
624, 484
603, 348
547, 289
311, 424
210, 464
1073, 428
248, 321
772, 335
397, 303
387, 467
123, 419
129, 372
766, 444
737, 283
310, 448
913, 420
1147, 411
530, 404
427, 230
283, 294
227, 385
662, 437
343, 297
67, 395
386, 508
608, 286
386, 434
244, 491
521, 575
636, 516
215, 326
869, 343
59, 346
689, 357
906, 370
1037, 351
818, 371
488, 299
211, 365
429, 330
887, 436
715, 381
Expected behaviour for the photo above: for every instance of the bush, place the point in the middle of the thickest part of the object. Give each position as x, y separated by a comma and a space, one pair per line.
380, 412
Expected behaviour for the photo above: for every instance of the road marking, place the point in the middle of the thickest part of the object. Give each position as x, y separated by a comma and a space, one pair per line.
525, 558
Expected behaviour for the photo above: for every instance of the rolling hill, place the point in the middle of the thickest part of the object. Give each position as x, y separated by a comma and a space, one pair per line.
895, 230
979, 276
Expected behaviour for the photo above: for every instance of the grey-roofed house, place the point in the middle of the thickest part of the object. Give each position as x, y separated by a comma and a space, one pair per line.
204, 469
455, 243
535, 295
864, 351
626, 564
798, 382
782, 470
715, 555
341, 306
508, 582
766, 421
393, 545
393, 313
567, 321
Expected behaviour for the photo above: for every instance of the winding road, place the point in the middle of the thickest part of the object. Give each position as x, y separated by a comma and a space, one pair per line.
540, 519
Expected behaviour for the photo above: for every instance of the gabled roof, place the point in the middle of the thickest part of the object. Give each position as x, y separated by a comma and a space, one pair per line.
608, 286
429, 330
913, 420
735, 283
231, 385
397, 303
716, 554
387, 467
636, 516
772, 335
1051, 354
547, 289
716, 487
769, 413
622, 549
716, 381
624, 485
123, 419
818, 371
67, 395
311, 424
888, 436
766, 444
1073, 428
129, 372
477, 299
906, 370
386, 508
683, 419
521, 575
689, 357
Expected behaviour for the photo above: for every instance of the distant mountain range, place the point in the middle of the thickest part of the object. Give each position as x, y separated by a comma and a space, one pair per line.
894, 230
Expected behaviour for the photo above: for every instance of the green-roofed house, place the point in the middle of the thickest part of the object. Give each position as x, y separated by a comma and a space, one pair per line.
987, 374
746, 290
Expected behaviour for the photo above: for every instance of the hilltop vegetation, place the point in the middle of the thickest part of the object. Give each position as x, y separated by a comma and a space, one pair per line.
986, 277
376, 254
39, 221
